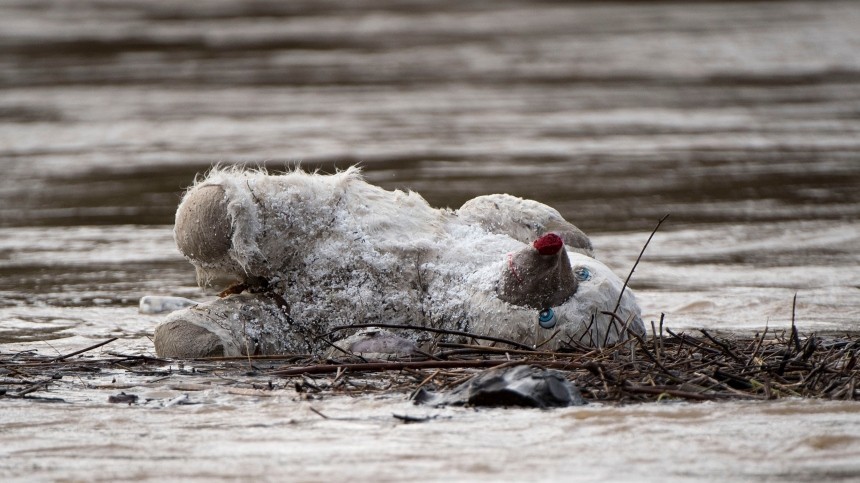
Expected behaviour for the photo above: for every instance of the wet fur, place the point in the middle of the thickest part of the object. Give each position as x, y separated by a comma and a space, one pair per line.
337, 250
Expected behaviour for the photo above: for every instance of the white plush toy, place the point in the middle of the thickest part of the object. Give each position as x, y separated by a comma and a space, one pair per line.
303, 253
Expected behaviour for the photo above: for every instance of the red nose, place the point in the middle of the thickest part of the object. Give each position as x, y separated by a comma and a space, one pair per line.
548, 244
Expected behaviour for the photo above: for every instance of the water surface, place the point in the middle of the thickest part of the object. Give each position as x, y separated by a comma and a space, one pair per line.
739, 119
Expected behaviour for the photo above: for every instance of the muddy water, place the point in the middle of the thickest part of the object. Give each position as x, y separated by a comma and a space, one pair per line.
741, 120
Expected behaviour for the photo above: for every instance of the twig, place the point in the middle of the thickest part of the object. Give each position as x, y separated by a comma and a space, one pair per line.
538, 346
286, 357
662, 316
692, 342
474, 348
793, 326
644, 347
96, 346
425, 381
654, 341
723, 345
588, 331
756, 348
317, 412
398, 366
672, 391
132, 357
412, 419
382, 366
624, 287
32, 388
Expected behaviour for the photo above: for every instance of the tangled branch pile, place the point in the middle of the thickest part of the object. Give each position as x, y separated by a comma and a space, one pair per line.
709, 367
675, 365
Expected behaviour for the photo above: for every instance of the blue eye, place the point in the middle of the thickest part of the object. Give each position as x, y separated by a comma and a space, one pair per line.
547, 318
582, 274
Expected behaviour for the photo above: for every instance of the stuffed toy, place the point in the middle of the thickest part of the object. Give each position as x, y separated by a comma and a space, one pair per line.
300, 255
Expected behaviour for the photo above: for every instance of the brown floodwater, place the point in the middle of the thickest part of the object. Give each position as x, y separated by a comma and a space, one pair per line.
739, 119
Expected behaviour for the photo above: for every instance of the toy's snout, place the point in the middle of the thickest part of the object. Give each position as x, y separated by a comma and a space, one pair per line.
538, 276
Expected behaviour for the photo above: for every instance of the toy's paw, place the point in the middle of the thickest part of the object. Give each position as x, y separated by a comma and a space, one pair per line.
236, 325
181, 339
377, 344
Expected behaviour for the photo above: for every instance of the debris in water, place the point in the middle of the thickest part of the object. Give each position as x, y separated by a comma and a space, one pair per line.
407, 419
183, 399
122, 398
157, 304
521, 385
703, 366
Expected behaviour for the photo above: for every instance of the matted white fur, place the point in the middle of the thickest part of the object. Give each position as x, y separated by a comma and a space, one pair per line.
341, 251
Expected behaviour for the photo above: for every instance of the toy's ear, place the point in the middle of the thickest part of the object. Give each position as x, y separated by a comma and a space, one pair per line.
522, 220
572, 236
203, 230
538, 276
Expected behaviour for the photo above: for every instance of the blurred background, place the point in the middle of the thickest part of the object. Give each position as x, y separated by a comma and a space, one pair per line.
740, 119
615, 113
